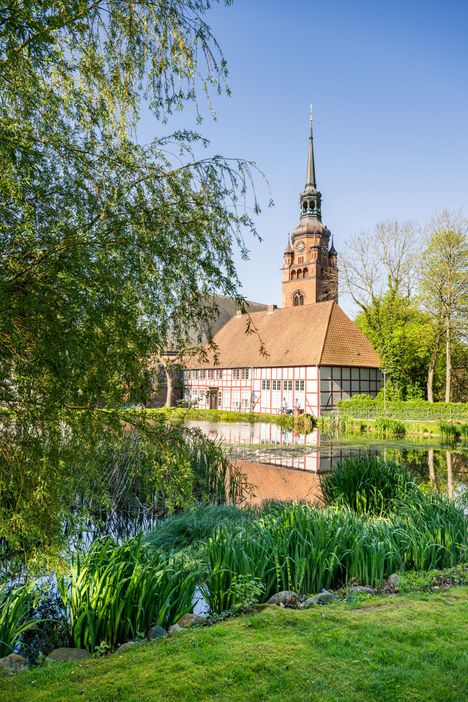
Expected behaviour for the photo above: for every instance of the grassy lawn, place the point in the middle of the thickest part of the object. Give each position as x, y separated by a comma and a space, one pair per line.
407, 648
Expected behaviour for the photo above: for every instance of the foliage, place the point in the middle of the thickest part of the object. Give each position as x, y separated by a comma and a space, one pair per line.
16, 602
368, 484
369, 407
413, 644
190, 527
100, 485
216, 479
403, 336
413, 581
109, 246
444, 281
115, 593
304, 548
451, 431
386, 427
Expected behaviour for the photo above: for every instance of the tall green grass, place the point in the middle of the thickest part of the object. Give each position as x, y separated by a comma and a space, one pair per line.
368, 484
196, 525
304, 548
216, 479
452, 431
114, 593
16, 603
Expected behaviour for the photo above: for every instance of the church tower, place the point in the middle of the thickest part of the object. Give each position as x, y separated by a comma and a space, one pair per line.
310, 271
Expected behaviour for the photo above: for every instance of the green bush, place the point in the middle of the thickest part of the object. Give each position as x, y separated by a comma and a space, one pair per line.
368, 484
114, 593
368, 407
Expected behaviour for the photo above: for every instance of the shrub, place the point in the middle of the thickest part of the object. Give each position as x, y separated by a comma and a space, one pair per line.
368, 407
367, 484
115, 593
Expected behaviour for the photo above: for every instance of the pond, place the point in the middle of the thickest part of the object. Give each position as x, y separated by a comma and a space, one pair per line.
286, 464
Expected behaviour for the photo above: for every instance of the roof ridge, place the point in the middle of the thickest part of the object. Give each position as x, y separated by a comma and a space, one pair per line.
326, 330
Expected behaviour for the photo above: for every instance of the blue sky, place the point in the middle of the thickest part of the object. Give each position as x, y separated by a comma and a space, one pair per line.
388, 81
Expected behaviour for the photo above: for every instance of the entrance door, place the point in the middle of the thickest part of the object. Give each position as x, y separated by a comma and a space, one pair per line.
213, 398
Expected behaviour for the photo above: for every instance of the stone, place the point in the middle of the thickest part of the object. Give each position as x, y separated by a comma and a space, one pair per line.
68, 654
189, 620
363, 588
285, 597
157, 632
393, 582
174, 629
13, 663
324, 597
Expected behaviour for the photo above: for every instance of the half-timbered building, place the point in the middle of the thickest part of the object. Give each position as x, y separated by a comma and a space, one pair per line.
306, 355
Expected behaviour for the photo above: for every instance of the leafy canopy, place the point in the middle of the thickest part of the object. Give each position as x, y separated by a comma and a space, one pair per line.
108, 246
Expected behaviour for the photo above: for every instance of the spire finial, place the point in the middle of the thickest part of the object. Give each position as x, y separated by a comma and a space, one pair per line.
310, 176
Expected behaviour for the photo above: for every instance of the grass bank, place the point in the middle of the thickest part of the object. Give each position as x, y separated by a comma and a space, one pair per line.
288, 421
409, 647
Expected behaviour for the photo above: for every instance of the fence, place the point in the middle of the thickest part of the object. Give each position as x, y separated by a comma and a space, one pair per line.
435, 413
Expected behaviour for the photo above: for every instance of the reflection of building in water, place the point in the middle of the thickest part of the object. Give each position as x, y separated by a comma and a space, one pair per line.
315, 355
264, 442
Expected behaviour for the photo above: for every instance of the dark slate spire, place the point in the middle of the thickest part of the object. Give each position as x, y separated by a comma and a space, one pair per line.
310, 176
310, 198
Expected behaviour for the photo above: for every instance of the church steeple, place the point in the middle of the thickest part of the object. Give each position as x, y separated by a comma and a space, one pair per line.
311, 198
310, 270
310, 176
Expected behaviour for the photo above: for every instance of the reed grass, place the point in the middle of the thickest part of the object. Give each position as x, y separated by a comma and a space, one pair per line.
304, 548
16, 602
114, 593
368, 484
196, 525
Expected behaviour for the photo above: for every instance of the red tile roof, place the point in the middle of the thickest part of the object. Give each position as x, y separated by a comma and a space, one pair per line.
317, 334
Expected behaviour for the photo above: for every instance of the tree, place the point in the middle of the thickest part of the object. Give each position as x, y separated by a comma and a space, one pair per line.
379, 275
108, 246
381, 261
402, 335
444, 281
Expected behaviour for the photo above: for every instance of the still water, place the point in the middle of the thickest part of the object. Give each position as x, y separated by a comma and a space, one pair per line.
286, 464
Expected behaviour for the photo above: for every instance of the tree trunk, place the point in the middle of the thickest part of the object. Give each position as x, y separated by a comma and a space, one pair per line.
430, 381
430, 463
448, 361
448, 457
169, 387
432, 364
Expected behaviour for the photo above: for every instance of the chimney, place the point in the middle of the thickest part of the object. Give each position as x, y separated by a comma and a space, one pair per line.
271, 309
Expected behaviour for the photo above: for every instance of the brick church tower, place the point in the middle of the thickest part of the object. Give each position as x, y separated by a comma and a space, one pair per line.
310, 272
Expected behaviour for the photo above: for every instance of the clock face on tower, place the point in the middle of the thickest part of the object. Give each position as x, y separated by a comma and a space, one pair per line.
300, 247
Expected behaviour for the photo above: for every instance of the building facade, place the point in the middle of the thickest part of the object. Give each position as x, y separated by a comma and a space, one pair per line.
308, 354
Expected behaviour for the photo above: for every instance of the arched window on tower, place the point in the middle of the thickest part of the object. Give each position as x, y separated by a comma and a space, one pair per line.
293, 275
299, 273
305, 272
298, 299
